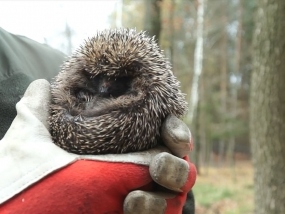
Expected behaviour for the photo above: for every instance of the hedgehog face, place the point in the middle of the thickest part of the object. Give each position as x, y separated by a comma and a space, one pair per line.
117, 86
105, 87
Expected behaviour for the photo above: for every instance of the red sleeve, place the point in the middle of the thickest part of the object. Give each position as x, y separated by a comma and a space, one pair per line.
82, 187
90, 187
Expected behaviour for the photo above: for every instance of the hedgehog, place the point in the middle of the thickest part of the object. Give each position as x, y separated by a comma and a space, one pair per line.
112, 95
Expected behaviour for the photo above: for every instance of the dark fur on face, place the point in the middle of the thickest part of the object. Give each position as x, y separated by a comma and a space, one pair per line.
113, 94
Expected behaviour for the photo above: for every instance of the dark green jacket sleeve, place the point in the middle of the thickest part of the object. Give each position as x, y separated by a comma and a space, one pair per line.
22, 60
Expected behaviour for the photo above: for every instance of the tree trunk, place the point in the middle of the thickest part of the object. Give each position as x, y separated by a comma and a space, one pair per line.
197, 139
267, 122
224, 81
171, 36
152, 23
194, 98
198, 61
235, 86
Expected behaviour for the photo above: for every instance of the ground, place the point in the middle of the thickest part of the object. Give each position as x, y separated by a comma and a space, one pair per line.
225, 190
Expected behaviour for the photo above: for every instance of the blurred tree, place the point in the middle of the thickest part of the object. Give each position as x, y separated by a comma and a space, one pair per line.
194, 107
172, 32
68, 33
267, 124
198, 61
152, 23
236, 74
223, 77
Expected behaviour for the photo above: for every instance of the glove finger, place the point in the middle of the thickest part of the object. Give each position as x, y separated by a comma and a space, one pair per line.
176, 136
162, 202
37, 98
172, 172
142, 202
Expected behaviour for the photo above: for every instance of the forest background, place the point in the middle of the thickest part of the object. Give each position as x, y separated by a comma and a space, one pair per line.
219, 118
229, 56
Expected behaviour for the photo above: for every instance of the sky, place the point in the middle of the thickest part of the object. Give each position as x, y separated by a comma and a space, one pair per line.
45, 21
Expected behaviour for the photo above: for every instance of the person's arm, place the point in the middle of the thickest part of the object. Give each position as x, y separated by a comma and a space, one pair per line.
42, 178
22, 60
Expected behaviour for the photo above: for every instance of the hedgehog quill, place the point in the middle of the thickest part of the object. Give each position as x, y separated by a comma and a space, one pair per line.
113, 94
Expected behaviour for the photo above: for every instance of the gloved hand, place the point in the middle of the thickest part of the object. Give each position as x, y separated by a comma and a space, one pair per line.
39, 177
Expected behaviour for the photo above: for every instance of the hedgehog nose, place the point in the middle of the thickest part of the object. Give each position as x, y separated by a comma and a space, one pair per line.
104, 91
